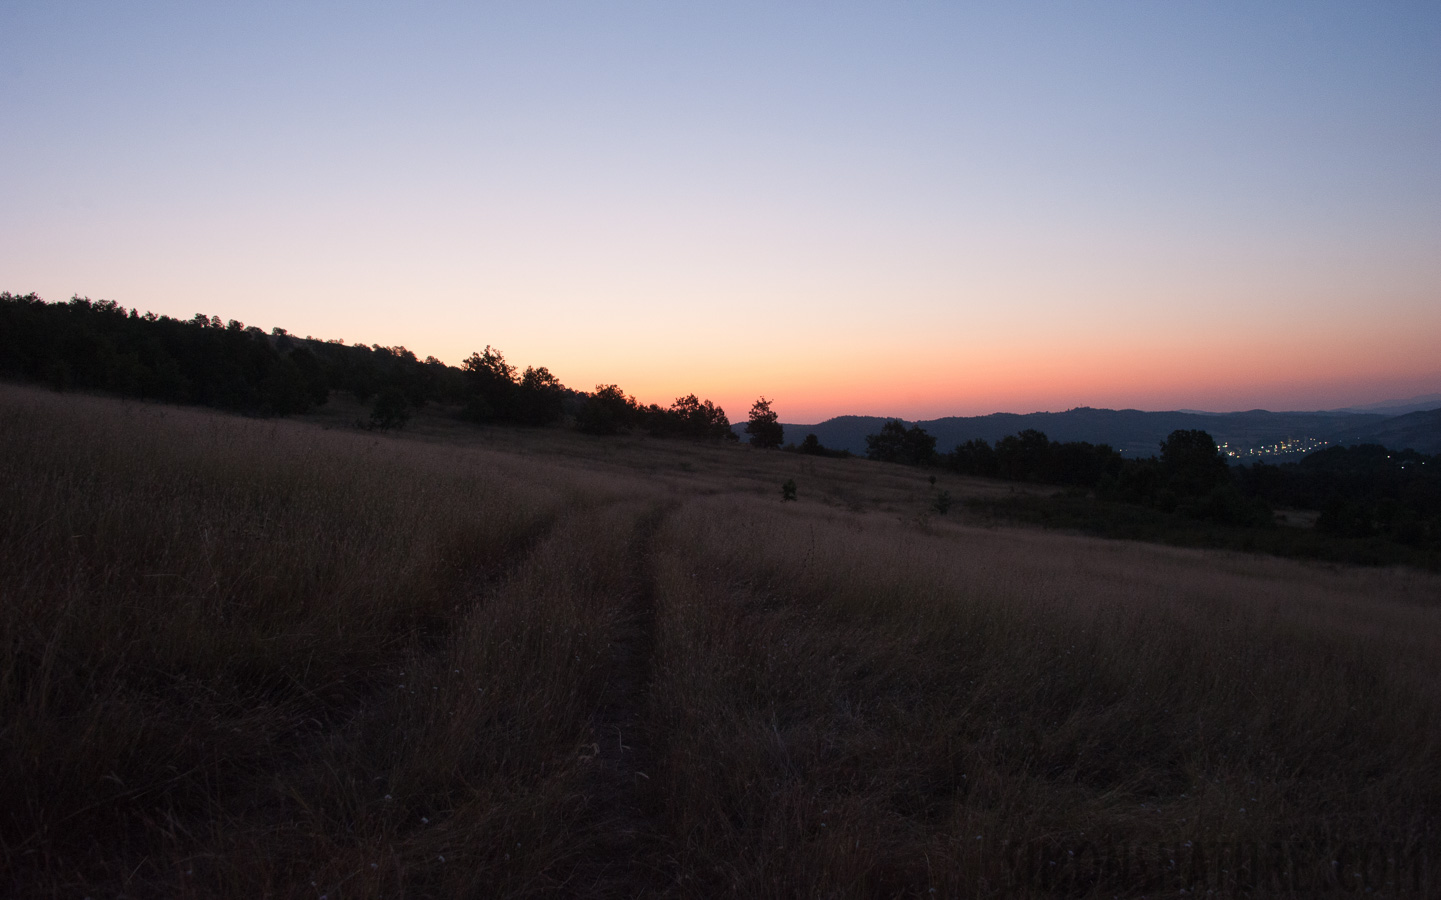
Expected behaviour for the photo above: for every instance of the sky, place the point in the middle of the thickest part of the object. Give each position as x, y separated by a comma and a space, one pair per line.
912, 209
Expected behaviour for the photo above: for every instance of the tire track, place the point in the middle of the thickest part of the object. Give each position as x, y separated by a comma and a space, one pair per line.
624, 818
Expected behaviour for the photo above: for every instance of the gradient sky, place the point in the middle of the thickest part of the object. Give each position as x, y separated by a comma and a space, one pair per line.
914, 209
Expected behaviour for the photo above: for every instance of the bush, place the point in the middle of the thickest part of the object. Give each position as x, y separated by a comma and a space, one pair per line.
390, 410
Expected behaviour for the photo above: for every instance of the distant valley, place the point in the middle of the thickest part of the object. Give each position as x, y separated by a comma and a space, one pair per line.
1246, 436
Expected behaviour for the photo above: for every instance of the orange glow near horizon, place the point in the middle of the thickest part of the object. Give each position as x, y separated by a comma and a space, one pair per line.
997, 362
898, 210
1245, 374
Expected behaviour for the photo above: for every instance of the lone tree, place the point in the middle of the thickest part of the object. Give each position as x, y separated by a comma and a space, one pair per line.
765, 431
1192, 464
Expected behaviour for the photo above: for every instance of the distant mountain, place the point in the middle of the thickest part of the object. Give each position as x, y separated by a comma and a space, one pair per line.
1138, 433
1419, 431
1399, 407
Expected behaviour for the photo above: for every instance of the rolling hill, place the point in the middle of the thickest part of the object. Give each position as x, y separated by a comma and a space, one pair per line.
1137, 433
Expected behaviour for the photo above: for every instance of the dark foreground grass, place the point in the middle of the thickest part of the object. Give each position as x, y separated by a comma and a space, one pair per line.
248, 659
853, 711
242, 659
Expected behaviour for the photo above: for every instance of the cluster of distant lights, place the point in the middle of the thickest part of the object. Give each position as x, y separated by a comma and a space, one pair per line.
1280, 448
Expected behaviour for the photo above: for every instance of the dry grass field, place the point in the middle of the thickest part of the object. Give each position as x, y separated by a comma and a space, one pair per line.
251, 658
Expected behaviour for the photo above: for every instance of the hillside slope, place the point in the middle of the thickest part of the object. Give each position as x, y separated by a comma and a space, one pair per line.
1419, 431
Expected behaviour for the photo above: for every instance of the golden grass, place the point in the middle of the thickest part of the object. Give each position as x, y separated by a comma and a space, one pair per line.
254, 658
893, 707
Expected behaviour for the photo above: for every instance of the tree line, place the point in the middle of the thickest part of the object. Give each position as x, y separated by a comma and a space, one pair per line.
100, 345
1365, 491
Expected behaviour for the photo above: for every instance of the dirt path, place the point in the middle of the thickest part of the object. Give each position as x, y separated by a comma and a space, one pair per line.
623, 802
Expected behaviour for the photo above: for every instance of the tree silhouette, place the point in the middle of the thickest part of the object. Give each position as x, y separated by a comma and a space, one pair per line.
607, 411
692, 417
492, 386
974, 457
1025, 457
101, 345
540, 396
764, 428
896, 443
1191, 463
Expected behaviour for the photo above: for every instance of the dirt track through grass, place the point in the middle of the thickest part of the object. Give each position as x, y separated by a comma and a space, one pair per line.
621, 759
243, 658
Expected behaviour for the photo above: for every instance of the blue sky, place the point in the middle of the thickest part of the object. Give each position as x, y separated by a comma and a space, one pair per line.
913, 209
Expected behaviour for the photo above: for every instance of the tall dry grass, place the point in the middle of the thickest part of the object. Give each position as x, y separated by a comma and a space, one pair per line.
240, 657
854, 707
243, 658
